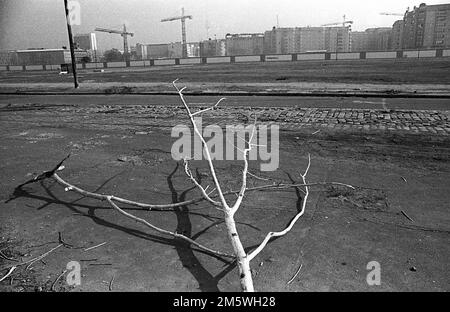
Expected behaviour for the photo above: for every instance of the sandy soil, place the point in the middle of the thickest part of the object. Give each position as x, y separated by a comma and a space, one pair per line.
340, 233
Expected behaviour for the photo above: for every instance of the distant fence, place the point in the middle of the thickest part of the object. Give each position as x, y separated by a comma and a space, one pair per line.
295, 57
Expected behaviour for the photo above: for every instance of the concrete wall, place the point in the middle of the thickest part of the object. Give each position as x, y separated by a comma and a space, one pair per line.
116, 64
165, 62
94, 65
195, 60
247, 58
278, 58
345, 56
386, 55
427, 53
413, 54
217, 60
137, 63
15, 67
312, 56
34, 67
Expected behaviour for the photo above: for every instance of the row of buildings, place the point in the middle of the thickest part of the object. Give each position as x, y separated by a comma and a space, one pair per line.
275, 41
425, 26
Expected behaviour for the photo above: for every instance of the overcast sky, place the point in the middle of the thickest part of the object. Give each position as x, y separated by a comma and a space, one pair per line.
41, 23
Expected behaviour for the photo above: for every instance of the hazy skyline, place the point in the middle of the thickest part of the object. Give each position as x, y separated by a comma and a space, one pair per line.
41, 23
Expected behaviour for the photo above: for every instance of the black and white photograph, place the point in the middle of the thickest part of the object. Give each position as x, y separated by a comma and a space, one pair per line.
224, 147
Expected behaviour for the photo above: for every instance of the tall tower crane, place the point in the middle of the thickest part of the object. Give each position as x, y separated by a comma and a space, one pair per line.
183, 28
124, 33
344, 23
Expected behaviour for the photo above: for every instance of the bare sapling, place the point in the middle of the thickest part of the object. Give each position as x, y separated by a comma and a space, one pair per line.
218, 198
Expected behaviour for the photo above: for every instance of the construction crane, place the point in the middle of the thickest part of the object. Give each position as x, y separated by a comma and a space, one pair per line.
344, 23
124, 33
394, 14
183, 29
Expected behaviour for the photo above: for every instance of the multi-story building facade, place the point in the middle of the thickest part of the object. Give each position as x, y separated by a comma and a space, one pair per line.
397, 35
360, 41
379, 39
216, 47
304, 39
337, 39
309, 39
85, 41
244, 44
427, 26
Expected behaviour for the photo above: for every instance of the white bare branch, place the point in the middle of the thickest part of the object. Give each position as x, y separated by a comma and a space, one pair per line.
247, 150
173, 234
199, 186
270, 235
73, 188
205, 147
209, 108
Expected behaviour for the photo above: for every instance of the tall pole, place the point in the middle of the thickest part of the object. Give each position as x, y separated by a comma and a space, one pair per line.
72, 51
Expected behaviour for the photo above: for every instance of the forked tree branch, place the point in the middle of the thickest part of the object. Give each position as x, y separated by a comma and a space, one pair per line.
158, 229
270, 235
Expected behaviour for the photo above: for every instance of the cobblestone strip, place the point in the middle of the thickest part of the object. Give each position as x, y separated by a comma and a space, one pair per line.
289, 118
431, 121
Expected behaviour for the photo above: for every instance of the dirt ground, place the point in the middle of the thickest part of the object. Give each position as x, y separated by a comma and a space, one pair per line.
398, 214
373, 71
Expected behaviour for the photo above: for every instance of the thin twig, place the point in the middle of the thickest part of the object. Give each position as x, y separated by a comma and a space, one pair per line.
111, 283
295, 275
9, 273
404, 213
96, 246
270, 235
173, 234
31, 261
56, 280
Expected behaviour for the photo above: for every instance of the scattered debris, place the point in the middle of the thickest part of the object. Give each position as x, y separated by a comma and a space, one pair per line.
6, 257
413, 269
135, 160
96, 246
32, 261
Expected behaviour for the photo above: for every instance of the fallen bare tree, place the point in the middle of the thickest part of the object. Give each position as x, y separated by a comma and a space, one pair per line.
216, 197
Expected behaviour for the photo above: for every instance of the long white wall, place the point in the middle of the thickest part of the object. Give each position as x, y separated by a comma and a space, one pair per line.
411, 54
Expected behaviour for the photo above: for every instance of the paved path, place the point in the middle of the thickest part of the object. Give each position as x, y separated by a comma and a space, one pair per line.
289, 113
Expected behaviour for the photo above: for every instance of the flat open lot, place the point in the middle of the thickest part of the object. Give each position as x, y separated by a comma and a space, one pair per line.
395, 71
394, 172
